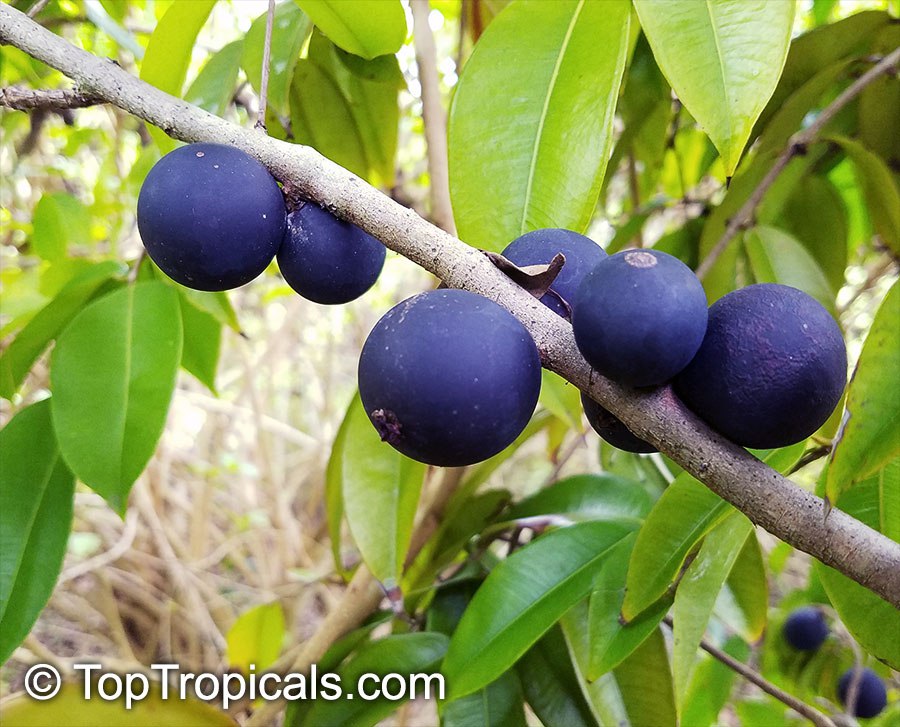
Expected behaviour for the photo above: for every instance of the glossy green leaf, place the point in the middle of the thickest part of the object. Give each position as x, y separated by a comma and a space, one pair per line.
870, 433
522, 598
815, 214
214, 86
380, 490
216, 304
113, 373
723, 58
561, 398
406, 654
551, 685
586, 497
879, 106
711, 686
334, 487
879, 190
685, 513
611, 642
499, 704
70, 708
524, 161
168, 54
60, 221
290, 28
776, 257
637, 692
872, 621
697, 592
254, 639
36, 495
19, 356
744, 600
363, 28
202, 342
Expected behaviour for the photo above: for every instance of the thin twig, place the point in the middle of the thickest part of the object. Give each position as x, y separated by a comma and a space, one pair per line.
753, 676
264, 78
37, 7
796, 146
433, 116
49, 99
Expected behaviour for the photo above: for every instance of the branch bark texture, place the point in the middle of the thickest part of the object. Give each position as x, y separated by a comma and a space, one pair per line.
766, 497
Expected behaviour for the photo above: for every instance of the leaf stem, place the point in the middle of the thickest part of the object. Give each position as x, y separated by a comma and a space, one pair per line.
264, 78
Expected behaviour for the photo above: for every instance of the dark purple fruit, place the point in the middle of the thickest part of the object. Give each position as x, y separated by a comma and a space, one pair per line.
871, 694
612, 430
771, 369
639, 317
540, 246
805, 629
210, 216
449, 378
327, 260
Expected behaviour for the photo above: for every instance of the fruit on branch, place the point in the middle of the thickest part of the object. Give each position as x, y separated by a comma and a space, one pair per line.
771, 369
612, 430
639, 317
871, 694
805, 628
449, 378
210, 216
540, 246
327, 260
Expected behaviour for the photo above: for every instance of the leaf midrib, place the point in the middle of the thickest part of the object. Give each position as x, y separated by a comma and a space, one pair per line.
721, 58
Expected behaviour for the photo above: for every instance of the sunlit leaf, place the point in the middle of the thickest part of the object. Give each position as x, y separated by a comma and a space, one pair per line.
364, 28
255, 639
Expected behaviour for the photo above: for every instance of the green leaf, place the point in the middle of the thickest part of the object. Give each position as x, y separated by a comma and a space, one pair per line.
23, 351
499, 704
69, 707
36, 495
697, 593
872, 621
711, 686
213, 88
551, 685
522, 598
685, 513
638, 691
60, 221
202, 341
334, 488
290, 28
113, 373
216, 304
399, 654
363, 28
723, 58
380, 489
586, 497
879, 190
168, 54
879, 106
524, 161
816, 215
255, 639
870, 433
562, 399
744, 600
611, 642
776, 257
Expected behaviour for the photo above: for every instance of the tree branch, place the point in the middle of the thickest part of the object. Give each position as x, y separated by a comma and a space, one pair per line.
433, 116
754, 677
58, 99
796, 146
657, 416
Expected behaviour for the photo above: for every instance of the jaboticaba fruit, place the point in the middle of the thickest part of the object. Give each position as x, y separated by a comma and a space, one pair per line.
611, 429
871, 694
211, 217
540, 246
449, 378
327, 260
771, 368
639, 317
805, 629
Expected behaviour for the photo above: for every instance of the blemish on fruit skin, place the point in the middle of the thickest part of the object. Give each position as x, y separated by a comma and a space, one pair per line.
201, 154
640, 259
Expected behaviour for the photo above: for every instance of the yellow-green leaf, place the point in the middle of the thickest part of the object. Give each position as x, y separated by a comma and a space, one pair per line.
362, 27
255, 638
